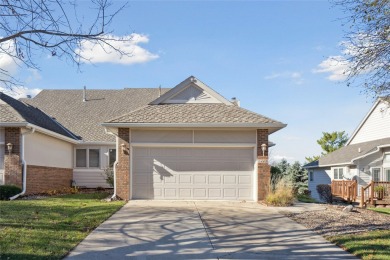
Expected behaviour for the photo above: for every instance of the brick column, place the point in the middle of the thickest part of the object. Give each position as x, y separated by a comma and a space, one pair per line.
12, 170
12, 163
123, 166
263, 168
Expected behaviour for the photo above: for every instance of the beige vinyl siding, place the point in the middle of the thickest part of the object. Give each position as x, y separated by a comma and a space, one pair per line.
90, 178
377, 125
44, 150
192, 94
193, 136
320, 176
93, 177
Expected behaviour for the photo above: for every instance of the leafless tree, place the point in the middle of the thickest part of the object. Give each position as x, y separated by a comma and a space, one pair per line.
367, 44
30, 28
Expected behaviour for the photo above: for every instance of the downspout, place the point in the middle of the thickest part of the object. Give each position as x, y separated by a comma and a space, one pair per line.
32, 130
113, 197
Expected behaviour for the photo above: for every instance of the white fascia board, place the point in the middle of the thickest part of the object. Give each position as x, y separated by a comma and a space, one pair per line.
331, 165
52, 134
272, 126
13, 124
96, 143
206, 145
367, 154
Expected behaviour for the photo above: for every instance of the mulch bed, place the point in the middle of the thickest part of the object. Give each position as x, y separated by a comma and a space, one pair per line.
333, 221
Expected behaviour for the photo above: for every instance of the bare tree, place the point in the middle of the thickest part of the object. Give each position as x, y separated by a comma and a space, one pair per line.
30, 28
367, 44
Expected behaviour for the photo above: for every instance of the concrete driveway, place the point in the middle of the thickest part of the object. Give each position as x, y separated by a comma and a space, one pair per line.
203, 230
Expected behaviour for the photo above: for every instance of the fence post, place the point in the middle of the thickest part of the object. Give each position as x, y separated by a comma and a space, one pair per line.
372, 193
362, 198
342, 189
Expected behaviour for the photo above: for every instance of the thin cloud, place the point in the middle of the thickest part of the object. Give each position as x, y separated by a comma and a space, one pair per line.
337, 67
103, 53
295, 77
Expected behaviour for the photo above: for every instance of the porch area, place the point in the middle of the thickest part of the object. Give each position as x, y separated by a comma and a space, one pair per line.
375, 193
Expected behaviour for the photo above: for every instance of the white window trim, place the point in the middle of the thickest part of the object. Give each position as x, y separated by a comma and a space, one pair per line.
372, 172
87, 157
338, 173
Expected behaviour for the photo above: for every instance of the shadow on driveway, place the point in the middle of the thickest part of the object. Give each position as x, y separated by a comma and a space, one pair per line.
203, 230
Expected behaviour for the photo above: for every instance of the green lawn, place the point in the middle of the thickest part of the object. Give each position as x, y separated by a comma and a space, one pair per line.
368, 245
381, 210
49, 228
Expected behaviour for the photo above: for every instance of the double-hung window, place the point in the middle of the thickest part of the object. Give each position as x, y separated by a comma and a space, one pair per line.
338, 173
376, 173
88, 158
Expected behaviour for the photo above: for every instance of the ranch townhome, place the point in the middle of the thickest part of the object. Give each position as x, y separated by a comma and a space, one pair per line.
188, 142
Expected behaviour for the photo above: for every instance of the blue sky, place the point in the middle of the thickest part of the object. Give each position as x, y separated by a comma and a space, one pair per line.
272, 56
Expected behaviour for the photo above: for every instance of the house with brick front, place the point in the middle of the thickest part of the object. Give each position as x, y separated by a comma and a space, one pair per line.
364, 158
188, 142
29, 135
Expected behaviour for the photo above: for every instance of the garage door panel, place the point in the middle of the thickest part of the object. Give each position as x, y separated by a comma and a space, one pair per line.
193, 173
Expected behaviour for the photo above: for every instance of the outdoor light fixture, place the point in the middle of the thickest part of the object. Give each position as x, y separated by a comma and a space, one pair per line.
123, 148
263, 148
9, 147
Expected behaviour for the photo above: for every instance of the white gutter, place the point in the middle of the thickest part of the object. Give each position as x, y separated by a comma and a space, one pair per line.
192, 125
11, 124
53, 134
375, 151
32, 130
116, 159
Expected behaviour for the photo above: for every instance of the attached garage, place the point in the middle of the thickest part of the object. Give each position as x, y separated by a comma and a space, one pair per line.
193, 173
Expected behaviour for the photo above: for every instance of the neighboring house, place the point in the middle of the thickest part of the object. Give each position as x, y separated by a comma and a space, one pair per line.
366, 156
187, 142
31, 141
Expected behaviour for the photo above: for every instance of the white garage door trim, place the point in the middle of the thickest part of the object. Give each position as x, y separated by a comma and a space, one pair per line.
197, 145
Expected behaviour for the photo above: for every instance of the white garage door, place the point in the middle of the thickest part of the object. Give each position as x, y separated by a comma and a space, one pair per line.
193, 173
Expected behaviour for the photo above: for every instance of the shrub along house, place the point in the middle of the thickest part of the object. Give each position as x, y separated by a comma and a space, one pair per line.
365, 158
187, 142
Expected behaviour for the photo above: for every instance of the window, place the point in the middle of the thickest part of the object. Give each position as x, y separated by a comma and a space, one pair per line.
338, 173
311, 176
81, 157
387, 172
386, 158
376, 172
88, 158
111, 157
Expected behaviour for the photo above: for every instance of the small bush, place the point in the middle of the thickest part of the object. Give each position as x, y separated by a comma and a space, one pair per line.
109, 176
325, 192
282, 196
7, 191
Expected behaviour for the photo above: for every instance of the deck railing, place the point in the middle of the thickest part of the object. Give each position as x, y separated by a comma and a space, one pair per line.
345, 189
376, 192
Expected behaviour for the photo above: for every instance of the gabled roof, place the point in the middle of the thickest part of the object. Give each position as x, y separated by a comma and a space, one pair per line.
190, 81
313, 164
377, 102
347, 154
196, 115
84, 118
16, 113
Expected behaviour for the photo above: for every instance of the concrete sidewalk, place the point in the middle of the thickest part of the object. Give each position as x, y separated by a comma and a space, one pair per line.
203, 230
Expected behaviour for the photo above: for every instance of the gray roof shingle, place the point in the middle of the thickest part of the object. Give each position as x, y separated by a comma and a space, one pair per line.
347, 153
15, 111
84, 118
193, 113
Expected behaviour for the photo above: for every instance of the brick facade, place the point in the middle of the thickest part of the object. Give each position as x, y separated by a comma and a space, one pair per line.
41, 179
123, 166
12, 135
263, 168
12, 170
12, 163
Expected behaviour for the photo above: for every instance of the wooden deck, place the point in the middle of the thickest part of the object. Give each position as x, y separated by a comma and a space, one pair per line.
375, 193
